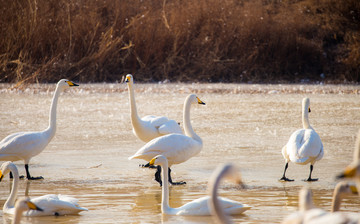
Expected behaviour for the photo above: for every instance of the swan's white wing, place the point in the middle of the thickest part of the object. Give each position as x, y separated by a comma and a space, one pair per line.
53, 204
175, 147
200, 207
304, 146
155, 121
22, 145
169, 127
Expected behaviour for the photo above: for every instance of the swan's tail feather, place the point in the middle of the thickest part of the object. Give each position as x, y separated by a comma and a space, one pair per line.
237, 209
300, 160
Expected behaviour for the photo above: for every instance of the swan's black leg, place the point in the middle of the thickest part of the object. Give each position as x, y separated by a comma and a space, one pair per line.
174, 183
284, 178
310, 179
28, 176
147, 166
158, 175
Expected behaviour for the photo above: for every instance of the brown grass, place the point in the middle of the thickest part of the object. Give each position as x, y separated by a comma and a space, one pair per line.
199, 40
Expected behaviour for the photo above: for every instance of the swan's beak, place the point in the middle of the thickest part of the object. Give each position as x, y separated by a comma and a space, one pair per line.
127, 79
349, 172
33, 206
353, 189
309, 110
70, 83
1, 176
151, 163
199, 101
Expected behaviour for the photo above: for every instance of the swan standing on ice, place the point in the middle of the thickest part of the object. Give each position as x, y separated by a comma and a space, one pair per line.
25, 145
51, 204
198, 207
149, 127
22, 205
177, 148
304, 145
217, 206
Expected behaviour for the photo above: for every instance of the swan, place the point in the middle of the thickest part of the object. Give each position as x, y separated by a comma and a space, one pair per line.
51, 204
304, 145
177, 148
198, 207
340, 190
216, 204
22, 205
25, 145
309, 214
149, 127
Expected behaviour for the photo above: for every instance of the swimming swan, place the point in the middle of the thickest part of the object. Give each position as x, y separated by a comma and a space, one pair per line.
51, 204
304, 145
149, 127
198, 207
25, 145
177, 148
309, 214
216, 204
22, 205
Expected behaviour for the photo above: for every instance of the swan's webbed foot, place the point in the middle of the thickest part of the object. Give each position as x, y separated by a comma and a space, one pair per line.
147, 166
28, 176
311, 179
35, 178
285, 179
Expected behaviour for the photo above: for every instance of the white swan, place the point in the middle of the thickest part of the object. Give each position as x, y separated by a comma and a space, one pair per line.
22, 205
149, 127
25, 145
51, 204
177, 148
304, 145
309, 214
198, 207
216, 204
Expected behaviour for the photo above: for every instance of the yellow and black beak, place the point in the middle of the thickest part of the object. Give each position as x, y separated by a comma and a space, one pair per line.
199, 101
152, 162
353, 189
349, 172
70, 83
33, 206
127, 79
1, 176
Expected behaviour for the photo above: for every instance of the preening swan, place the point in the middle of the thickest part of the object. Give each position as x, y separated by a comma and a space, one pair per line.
217, 206
149, 127
304, 145
177, 148
308, 213
22, 205
51, 204
25, 145
198, 207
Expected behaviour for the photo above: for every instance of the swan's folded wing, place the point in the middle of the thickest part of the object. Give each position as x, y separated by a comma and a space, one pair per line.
169, 127
155, 121
19, 143
198, 207
232, 207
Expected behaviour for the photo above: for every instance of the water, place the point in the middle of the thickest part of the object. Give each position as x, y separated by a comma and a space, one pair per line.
243, 124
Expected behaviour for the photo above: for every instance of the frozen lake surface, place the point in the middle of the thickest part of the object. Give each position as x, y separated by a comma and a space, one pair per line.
243, 124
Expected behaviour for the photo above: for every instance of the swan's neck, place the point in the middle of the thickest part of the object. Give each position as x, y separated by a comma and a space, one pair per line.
165, 208
10, 202
133, 111
336, 200
17, 216
305, 119
187, 123
52, 117
215, 203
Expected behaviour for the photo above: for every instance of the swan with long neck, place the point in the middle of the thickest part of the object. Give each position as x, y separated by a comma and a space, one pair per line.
198, 207
177, 148
22, 205
148, 127
304, 145
51, 204
309, 214
25, 145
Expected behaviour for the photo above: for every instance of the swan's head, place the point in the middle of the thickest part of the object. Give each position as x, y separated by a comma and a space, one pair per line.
64, 84
129, 79
306, 104
158, 160
351, 171
6, 168
345, 187
24, 204
193, 99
